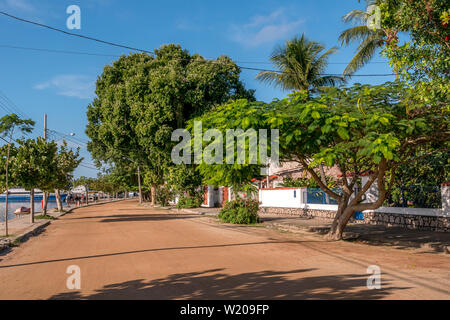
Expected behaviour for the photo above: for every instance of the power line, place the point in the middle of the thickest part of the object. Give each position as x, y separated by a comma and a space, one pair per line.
151, 53
202, 61
117, 56
61, 51
73, 34
83, 166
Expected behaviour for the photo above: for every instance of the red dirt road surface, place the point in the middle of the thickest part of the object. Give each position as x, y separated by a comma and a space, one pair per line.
125, 251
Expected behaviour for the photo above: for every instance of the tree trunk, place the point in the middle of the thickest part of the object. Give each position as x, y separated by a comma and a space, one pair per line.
32, 205
87, 195
139, 185
44, 206
324, 181
339, 223
153, 191
7, 189
58, 200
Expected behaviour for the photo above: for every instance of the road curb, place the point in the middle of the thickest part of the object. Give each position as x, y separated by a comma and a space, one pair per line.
33, 230
319, 231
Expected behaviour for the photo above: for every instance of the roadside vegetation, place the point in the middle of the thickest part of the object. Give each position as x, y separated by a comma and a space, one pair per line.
240, 211
397, 132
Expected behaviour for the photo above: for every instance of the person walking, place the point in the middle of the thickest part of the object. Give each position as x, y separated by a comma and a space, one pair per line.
68, 200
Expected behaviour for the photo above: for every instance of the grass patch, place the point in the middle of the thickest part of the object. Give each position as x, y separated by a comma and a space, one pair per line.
44, 217
4, 236
16, 242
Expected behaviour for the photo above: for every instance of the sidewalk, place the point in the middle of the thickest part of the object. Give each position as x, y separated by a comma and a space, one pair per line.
202, 211
400, 238
20, 229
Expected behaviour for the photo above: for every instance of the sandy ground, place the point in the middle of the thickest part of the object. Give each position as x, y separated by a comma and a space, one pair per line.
129, 252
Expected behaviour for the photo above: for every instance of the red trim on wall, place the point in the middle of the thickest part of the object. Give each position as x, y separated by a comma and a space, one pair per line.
352, 174
291, 188
446, 184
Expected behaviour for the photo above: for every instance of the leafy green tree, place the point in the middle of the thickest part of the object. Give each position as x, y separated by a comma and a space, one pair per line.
36, 166
241, 114
3, 160
141, 99
423, 61
8, 124
184, 179
300, 64
361, 129
67, 161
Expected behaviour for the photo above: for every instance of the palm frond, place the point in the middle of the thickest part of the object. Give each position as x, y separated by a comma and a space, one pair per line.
327, 81
358, 33
300, 63
355, 16
366, 50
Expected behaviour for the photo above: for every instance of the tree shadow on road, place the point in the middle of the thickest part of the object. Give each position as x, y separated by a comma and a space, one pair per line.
215, 284
136, 217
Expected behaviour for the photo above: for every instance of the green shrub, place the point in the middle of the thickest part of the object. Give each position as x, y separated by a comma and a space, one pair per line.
164, 195
44, 217
240, 212
190, 202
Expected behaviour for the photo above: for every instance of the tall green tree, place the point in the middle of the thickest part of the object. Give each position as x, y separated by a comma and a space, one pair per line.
184, 179
142, 99
361, 129
8, 124
35, 166
300, 65
67, 161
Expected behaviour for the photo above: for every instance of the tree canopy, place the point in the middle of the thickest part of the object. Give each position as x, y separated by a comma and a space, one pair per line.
141, 99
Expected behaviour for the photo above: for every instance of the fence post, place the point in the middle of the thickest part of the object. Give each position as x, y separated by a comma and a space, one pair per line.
445, 193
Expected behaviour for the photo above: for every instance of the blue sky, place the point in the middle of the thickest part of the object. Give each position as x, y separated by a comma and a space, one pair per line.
62, 85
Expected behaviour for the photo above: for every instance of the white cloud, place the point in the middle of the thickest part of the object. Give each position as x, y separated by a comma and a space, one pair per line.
17, 5
265, 29
70, 85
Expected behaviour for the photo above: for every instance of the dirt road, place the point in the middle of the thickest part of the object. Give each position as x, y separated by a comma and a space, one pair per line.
129, 252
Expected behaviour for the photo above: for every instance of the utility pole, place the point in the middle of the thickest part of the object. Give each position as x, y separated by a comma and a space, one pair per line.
44, 200
32, 190
139, 184
45, 126
7, 187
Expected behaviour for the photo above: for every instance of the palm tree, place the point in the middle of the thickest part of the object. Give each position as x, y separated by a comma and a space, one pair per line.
300, 65
370, 38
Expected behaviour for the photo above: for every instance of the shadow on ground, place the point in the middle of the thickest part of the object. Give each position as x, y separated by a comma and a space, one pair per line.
215, 284
136, 217
400, 238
